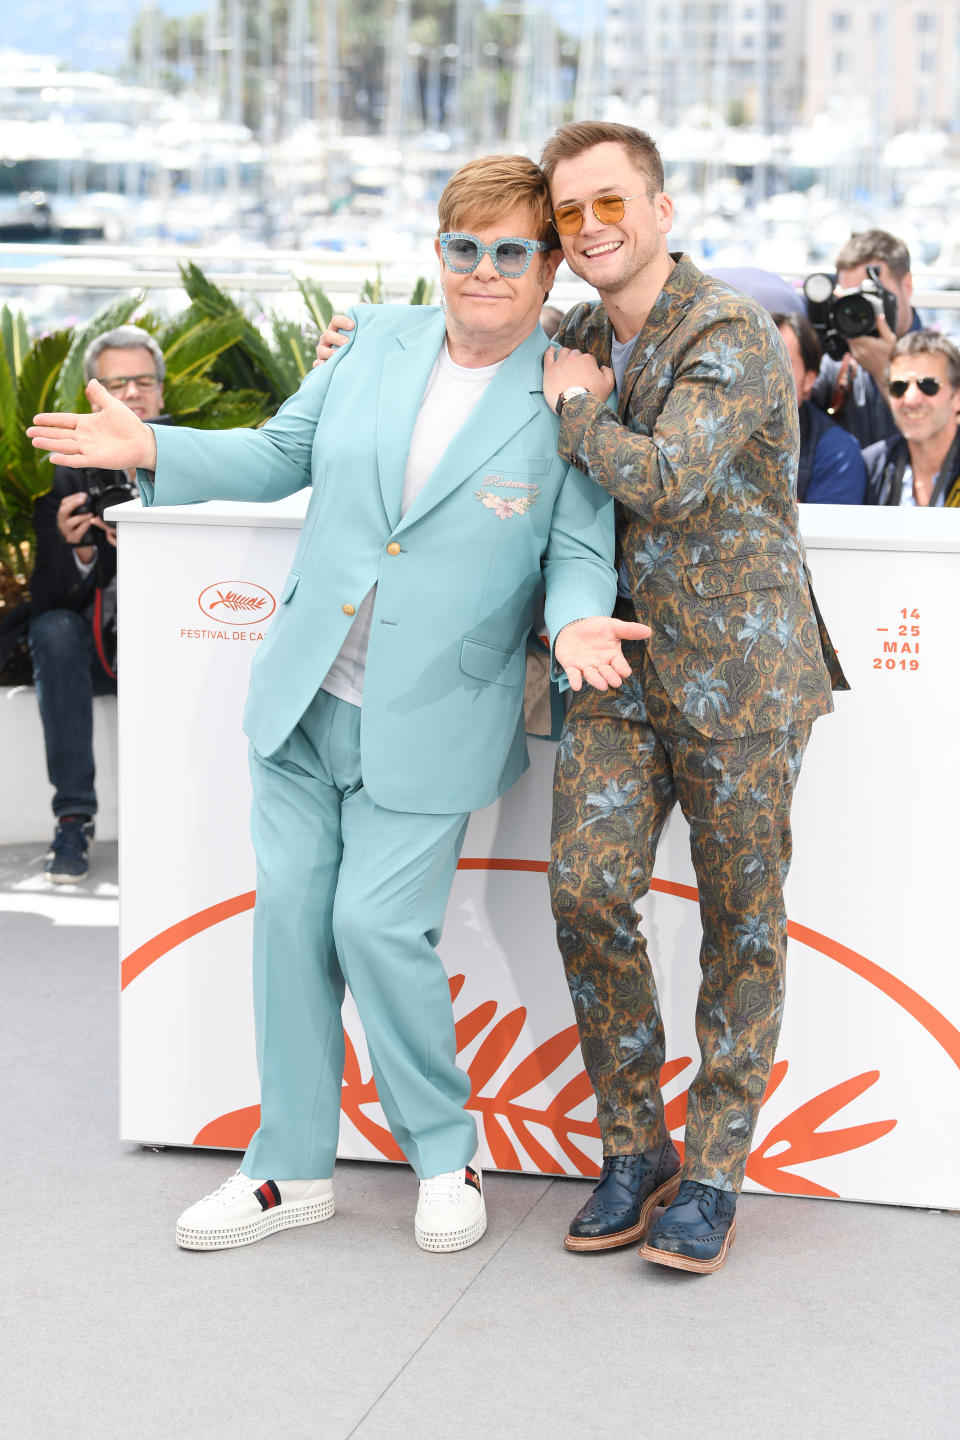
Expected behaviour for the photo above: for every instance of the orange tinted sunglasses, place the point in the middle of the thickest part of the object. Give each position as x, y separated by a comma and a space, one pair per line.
607, 208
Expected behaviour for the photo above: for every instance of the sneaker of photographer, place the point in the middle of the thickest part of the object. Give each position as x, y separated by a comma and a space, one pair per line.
244, 1210
450, 1211
67, 860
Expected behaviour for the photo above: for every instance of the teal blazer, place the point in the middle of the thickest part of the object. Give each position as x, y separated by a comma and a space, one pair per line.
501, 526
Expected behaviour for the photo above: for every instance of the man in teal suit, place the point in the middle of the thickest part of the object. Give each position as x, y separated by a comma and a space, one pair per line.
387, 700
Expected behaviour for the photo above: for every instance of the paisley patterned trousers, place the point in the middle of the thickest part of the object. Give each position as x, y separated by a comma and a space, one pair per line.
624, 759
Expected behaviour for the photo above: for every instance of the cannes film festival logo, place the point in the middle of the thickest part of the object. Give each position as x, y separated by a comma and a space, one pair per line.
236, 602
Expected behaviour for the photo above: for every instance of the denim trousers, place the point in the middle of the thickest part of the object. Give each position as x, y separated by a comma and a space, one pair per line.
67, 674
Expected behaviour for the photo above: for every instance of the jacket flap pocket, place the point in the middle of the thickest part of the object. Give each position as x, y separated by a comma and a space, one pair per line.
489, 662
518, 465
736, 576
289, 585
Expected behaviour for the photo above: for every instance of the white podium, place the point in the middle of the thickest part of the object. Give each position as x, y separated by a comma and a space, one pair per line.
865, 1097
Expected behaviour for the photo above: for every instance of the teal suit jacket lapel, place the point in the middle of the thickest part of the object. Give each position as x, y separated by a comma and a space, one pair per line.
511, 399
403, 379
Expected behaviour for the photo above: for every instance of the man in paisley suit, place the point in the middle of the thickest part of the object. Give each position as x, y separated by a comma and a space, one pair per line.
386, 700
675, 395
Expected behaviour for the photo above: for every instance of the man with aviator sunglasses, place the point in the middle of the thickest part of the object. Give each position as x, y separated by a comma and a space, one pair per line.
386, 701
675, 395
920, 465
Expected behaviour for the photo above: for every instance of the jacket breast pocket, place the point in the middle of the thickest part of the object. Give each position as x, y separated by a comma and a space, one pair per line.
519, 465
738, 576
490, 663
509, 488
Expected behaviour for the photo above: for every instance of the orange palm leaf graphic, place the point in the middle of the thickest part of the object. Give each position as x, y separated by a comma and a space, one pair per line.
233, 600
805, 1140
502, 1113
358, 1092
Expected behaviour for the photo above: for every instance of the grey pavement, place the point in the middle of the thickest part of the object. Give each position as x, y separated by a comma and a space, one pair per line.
830, 1319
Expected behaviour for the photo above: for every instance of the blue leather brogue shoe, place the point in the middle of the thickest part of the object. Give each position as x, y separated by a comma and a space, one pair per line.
628, 1192
696, 1231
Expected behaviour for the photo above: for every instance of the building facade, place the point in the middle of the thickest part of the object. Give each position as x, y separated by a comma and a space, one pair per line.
893, 61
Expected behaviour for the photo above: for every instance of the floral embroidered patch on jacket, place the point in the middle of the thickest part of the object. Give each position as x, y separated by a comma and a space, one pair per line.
506, 506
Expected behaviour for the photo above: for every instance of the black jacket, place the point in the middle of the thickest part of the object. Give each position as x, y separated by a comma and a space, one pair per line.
57, 583
886, 462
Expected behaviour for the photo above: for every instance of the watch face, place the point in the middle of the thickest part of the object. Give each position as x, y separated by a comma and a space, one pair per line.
571, 392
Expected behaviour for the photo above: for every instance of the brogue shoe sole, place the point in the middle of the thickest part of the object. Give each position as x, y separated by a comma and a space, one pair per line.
665, 1194
687, 1262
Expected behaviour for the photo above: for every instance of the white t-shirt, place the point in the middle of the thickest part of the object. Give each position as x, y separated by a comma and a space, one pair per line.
452, 392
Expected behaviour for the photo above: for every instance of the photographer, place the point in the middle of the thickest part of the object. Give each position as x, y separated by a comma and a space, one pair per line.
852, 389
73, 589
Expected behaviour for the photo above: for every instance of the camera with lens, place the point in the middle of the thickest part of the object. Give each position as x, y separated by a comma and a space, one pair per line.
104, 488
842, 315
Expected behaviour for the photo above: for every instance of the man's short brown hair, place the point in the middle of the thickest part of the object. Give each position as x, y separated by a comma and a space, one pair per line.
484, 189
868, 247
571, 140
929, 342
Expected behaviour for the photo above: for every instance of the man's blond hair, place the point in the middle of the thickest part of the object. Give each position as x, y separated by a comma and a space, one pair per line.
483, 190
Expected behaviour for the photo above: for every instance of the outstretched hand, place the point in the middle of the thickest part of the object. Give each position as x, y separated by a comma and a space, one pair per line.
589, 650
111, 438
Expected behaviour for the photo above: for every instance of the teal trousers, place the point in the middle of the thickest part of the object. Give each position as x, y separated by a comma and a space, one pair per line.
349, 893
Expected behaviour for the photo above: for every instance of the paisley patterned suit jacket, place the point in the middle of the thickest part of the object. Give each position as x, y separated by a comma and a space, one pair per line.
701, 457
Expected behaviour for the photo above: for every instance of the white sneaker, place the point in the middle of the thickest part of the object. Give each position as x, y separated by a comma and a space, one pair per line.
245, 1210
450, 1211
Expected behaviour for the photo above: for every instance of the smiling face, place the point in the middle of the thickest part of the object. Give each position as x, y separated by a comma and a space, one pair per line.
489, 312
611, 257
924, 418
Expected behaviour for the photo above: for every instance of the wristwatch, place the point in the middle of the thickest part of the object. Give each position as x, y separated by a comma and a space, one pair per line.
571, 392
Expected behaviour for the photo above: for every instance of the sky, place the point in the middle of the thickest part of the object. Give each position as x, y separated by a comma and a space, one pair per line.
92, 34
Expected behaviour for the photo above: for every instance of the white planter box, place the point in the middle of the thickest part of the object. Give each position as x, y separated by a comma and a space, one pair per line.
25, 814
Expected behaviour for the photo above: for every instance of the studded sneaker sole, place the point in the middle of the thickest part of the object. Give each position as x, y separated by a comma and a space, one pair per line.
687, 1262
280, 1217
446, 1240
665, 1194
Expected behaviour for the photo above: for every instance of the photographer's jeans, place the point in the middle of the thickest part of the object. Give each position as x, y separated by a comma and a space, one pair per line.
67, 673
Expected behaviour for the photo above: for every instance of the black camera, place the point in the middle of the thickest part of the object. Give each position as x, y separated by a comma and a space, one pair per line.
104, 488
842, 315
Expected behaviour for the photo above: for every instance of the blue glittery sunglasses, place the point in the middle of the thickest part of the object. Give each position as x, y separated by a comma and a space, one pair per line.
510, 256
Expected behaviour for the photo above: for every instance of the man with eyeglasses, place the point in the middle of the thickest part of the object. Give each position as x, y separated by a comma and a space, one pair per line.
73, 595
675, 395
920, 465
386, 702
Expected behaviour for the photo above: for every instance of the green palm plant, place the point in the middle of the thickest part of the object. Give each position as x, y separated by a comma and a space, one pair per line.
28, 379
